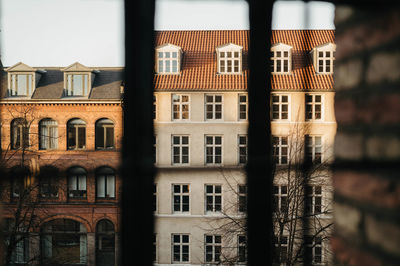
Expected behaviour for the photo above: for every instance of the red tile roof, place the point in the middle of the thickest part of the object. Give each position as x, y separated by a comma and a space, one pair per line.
199, 62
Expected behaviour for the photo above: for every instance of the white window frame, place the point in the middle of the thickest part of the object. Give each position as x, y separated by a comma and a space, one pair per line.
180, 147
241, 245
155, 104
313, 242
215, 243
312, 105
180, 104
48, 141
242, 147
213, 104
161, 57
280, 147
281, 54
242, 194
327, 58
13, 84
155, 197
283, 244
246, 107
77, 186
213, 196
181, 195
312, 147
280, 103
69, 83
279, 197
181, 244
227, 54
213, 147
313, 193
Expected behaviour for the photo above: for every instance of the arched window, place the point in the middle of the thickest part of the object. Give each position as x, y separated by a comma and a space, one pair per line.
63, 241
48, 181
105, 183
104, 134
48, 138
19, 134
77, 182
105, 243
76, 138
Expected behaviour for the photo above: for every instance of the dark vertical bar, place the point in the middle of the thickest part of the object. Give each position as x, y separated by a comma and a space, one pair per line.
259, 167
137, 161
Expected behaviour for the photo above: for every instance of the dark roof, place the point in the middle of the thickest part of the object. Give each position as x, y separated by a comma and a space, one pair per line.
106, 84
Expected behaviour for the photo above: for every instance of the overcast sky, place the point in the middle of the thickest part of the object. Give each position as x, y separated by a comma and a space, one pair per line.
60, 32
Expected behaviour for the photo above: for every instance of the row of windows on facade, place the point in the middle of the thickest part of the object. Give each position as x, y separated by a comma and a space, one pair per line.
213, 146
229, 59
49, 183
213, 198
76, 134
214, 107
63, 241
213, 248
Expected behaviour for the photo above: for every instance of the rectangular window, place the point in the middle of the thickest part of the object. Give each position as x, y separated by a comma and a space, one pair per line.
314, 249
313, 107
280, 62
154, 107
154, 247
213, 198
168, 62
242, 196
212, 247
313, 200
280, 107
229, 62
180, 107
280, 204
48, 186
213, 107
281, 248
180, 248
105, 186
154, 197
213, 147
242, 142
77, 186
21, 85
180, 149
180, 195
48, 134
77, 84
313, 149
325, 62
242, 107
280, 150
242, 248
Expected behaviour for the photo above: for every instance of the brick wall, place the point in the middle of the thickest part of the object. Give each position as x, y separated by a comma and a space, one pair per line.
367, 165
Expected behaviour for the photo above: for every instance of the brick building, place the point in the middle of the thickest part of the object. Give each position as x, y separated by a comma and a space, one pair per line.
65, 126
67, 123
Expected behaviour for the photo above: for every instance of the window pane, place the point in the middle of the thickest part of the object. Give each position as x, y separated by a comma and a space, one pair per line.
77, 81
174, 54
160, 66
22, 84
101, 193
109, 137
81, 137
167, 66
111, 186
174, 66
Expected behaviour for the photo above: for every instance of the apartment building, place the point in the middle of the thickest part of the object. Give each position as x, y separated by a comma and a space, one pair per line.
200, 118
67, 123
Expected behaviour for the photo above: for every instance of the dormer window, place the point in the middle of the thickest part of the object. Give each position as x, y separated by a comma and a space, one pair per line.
78, 80
229, 58
325, 61
77, 84
281, 58
22, 80
168, 58
21, 84
323, 58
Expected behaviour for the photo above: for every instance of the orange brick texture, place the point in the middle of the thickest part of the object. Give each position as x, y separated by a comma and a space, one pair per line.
367, 147
87, 211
